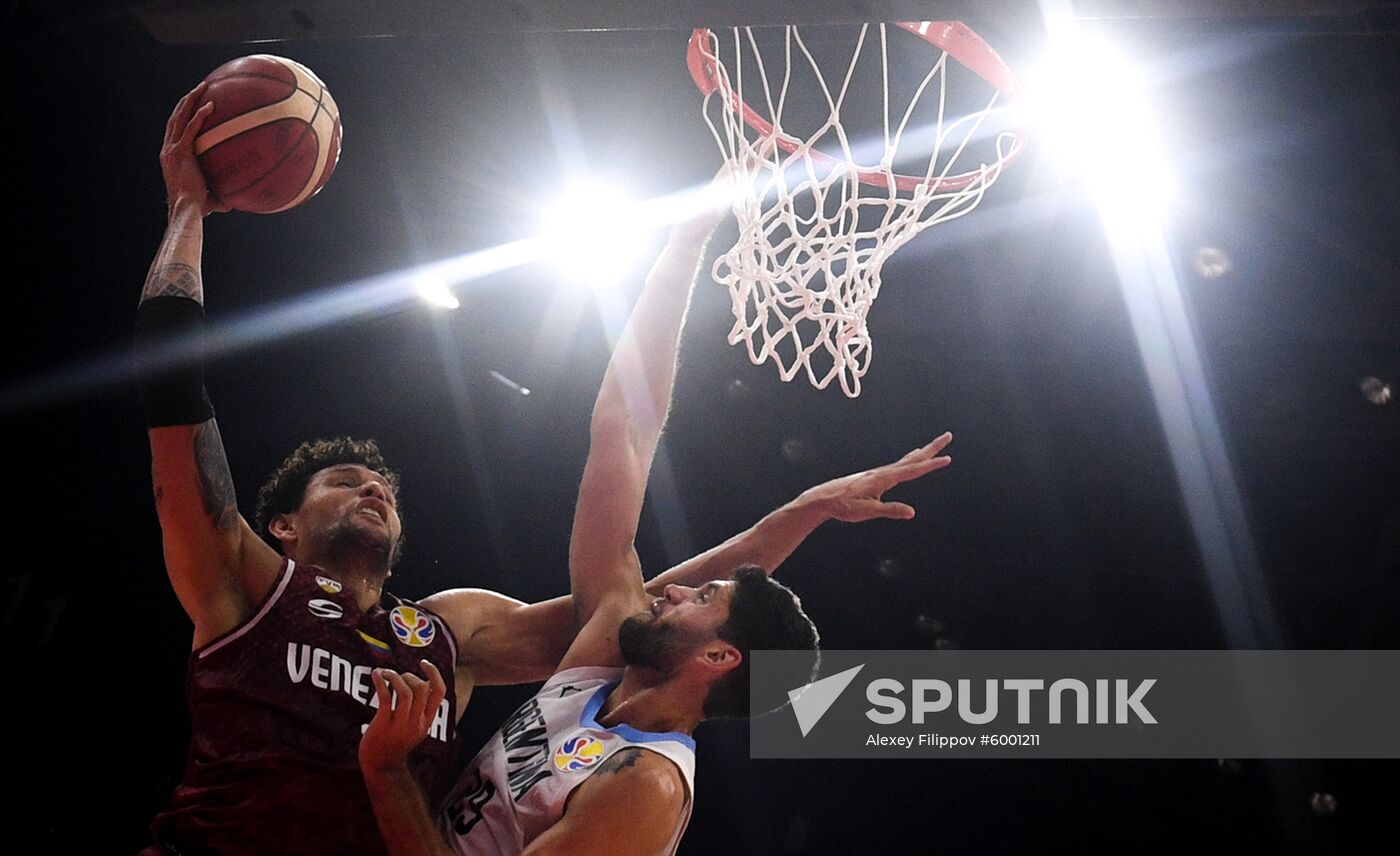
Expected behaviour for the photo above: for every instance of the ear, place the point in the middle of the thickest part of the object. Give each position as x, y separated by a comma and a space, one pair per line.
721, 657
283, 528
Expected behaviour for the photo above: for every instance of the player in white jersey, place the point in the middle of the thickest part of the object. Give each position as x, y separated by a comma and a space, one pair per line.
518, 786
600, 762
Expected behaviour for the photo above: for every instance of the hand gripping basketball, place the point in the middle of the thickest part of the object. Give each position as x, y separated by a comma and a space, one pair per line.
184, 181
273, 138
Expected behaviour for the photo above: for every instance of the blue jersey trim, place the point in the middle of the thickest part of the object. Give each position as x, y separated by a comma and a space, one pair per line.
625, 731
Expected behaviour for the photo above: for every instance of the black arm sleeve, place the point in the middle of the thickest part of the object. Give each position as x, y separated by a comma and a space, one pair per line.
170, 361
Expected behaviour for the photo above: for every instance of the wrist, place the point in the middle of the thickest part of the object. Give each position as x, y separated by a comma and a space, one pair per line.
384, 771
184, 207
811, 506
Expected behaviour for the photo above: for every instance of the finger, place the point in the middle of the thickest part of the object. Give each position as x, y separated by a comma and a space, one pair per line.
437, 689
434, 676
931, 449
418, 689
903, 471
173, 120
918, 469
381, 691
911, 455
180, 116
896, 511
871, 509
196, 124
401, 691
939, 443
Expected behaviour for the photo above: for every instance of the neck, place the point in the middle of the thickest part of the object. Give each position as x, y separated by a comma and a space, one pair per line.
362, 573
650, 701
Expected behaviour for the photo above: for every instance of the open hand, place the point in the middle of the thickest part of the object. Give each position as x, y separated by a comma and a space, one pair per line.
859, 497
407, 705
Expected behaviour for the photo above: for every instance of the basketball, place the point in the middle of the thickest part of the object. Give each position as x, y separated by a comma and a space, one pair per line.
273, 138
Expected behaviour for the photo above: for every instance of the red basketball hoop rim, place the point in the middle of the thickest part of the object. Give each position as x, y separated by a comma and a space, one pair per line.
955, 37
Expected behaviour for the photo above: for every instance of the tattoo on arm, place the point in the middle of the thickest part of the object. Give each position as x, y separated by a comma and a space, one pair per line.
215, 481
173, 280
620, 761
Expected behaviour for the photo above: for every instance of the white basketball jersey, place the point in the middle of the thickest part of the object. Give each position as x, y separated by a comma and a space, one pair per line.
517, 785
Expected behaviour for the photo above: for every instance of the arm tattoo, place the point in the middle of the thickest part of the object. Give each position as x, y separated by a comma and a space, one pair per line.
155, 484
215, 481
620, 761
174, 280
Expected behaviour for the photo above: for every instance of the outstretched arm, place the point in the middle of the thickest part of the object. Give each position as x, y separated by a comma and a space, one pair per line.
218, 566
626, 426
504, 641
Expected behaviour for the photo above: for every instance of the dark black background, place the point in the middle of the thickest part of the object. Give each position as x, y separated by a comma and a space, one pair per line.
1059, 526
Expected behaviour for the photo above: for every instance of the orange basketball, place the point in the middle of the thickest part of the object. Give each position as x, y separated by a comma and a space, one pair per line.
273, 138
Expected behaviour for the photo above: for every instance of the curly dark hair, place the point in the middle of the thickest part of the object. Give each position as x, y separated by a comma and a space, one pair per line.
764, 614
286, 487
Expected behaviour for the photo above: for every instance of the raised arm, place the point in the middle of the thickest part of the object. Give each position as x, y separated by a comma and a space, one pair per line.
218, 566
627, 420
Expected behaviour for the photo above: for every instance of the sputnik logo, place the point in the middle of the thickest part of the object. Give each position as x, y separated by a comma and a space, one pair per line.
811, 701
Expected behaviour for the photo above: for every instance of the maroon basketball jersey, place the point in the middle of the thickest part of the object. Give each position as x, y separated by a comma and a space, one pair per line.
278, 705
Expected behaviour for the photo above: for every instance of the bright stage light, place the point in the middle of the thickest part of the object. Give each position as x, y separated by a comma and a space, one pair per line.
1091, 106
433, 290
592, 233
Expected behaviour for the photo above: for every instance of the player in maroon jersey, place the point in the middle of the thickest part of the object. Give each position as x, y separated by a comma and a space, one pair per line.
289, 626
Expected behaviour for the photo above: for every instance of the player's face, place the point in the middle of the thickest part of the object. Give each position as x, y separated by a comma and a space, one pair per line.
351, 505
678, 624
703, 608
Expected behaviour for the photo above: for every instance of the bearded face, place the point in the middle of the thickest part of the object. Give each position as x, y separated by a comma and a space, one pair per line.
652, 644
349, 510
353, 535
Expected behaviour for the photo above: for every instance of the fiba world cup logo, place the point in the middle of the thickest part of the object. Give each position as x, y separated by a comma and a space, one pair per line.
411, 626
578, 753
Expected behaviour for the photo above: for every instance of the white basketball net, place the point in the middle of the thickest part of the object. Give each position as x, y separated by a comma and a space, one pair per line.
812, 236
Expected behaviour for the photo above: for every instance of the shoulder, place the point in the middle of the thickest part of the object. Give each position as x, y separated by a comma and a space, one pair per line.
641, 774
632, 805
633, 788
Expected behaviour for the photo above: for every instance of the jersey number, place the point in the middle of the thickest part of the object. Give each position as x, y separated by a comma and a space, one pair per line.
466, 813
